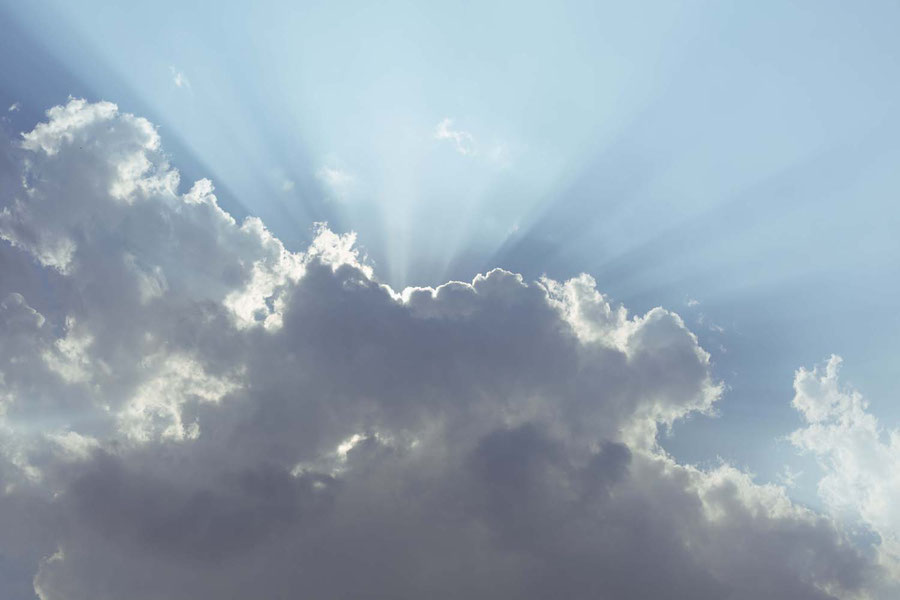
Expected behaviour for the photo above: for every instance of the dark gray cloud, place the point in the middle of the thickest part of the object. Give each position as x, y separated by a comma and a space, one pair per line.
189, 410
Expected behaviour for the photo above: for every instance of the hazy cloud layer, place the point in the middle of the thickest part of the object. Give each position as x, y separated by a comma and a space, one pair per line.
190, 410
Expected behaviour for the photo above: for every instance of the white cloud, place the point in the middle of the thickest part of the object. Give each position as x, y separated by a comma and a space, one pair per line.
179, 78
223, 417
80, 118
861, 460
72, 445
500, 155
338, 181
462, 140
788, 477
497, 154
14, 107
156, 409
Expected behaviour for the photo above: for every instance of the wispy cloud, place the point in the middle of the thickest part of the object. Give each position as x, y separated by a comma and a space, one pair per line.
179, 78
788, 477
463, 140
702, 319
497, 154
14, 107
338, 181
500, 155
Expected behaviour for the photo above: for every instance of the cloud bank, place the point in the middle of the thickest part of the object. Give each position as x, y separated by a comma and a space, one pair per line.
190, 410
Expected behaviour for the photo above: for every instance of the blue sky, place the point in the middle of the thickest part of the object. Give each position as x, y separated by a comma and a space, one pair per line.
734, 162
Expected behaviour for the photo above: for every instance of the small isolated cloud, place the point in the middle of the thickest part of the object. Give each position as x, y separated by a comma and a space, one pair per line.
191, 410
497, 154
693, 302
337, 181
14, 107
462, 140
281, 180
500, 155
179, 78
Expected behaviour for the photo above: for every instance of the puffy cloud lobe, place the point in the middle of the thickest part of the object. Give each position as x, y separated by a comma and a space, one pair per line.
191, 410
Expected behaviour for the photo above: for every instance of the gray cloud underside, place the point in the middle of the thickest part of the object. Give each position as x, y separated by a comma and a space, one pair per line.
190, 410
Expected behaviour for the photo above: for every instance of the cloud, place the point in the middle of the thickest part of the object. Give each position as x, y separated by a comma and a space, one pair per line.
462, 140
338, 181
188, 409
179, 78
14, 107
788, 477
861, 461
498, 154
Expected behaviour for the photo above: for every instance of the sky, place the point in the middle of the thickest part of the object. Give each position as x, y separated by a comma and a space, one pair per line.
252, 318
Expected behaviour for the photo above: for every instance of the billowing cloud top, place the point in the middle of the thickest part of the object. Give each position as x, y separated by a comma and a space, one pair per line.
190, 410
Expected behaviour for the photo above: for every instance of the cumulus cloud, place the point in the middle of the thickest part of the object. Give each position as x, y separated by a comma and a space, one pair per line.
861, 460
188, 409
